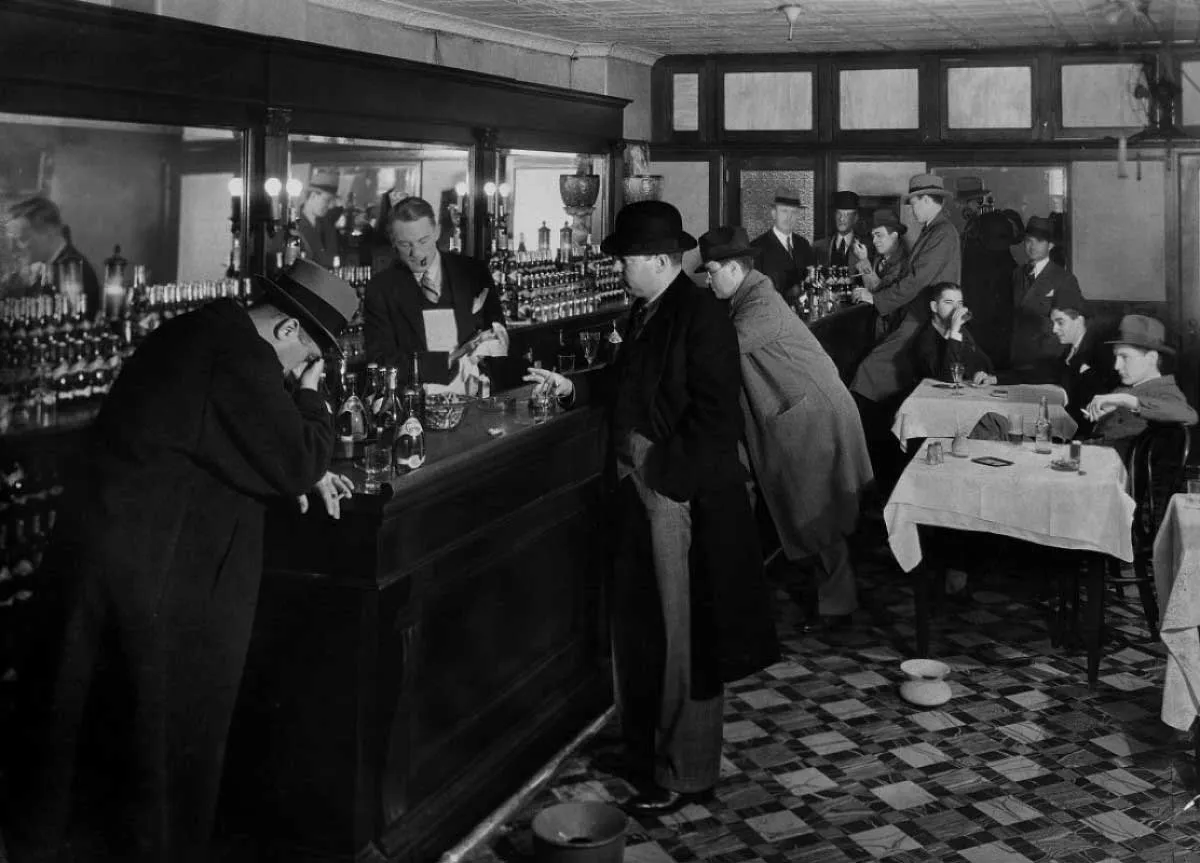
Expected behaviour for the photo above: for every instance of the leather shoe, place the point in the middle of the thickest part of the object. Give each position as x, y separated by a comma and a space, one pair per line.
827, 623
664, 801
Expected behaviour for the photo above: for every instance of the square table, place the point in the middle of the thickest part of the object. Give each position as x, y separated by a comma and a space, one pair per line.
1177, 581
1091, 512
933, 410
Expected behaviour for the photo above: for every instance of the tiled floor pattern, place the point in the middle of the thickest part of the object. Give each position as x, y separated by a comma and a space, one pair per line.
824, 762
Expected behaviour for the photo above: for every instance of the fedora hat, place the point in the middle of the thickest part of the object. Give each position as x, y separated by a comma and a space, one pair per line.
1069, 297
788, 197
1142, 331
326, 181
845, 201
322, 302
926, 184
725, 242
648, 228
1042, 228
971, 187
885, 218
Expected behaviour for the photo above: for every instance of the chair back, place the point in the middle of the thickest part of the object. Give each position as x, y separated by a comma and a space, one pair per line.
1156, 464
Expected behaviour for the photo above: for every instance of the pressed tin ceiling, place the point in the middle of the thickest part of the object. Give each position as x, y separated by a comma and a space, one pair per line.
737, 26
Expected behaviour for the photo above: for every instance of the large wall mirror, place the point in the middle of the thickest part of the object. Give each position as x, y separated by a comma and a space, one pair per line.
159, 193
533, 197
340, 193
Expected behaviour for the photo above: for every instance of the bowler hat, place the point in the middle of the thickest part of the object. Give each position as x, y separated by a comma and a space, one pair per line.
1143, 331
845, 201
321, 301
790, 198
1041, 227
926, 184
326, 181
971, 187
1069, 297
885, 218
648, 228
723, 243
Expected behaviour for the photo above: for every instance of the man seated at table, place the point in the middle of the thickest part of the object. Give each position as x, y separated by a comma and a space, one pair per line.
944, 340
1085, 368
1146, 394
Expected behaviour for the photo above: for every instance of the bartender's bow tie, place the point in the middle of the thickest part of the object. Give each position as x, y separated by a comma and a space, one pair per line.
430, 288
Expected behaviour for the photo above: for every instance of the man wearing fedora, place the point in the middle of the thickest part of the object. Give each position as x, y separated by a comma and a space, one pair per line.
785, 255
1033, 288
839, 249
689, 610
161, 554
886, 374
1146, 394
1085, 366
887, 236
318, 235
802, 433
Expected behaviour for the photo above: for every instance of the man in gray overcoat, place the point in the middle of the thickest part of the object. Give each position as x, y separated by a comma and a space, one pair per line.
802, 430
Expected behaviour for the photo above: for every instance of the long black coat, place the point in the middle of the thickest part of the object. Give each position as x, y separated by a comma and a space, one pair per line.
393, 324
1032, 341
689, 383
165, 552
785, 271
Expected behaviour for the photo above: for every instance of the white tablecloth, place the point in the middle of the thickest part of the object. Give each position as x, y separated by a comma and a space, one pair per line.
1177, 578
932, 410
1027, 500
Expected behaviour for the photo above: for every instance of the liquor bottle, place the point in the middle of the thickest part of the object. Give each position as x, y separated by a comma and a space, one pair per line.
371, 390
234, 270
389, 413
564, 243
521, 244
1041, 428
408, 445
351, 415
544, 239
413, 398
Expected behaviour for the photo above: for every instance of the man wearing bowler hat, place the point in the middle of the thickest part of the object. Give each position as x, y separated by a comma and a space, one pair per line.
803, 434
1034, 287
318, 234
1146, 394
161, 554
839, 249
785, 255
690, 611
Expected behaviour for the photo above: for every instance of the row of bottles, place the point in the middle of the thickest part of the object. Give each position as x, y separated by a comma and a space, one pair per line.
824, 291
393, 417
352, 340
536, 287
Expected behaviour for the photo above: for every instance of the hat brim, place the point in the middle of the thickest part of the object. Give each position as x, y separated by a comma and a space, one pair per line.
1144, 344
278, 296
790, 202
933, 192
1041, 235
898, 227
683, 242
748, 252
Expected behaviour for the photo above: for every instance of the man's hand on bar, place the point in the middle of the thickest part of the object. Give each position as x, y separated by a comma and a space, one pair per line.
551, 382
332, 487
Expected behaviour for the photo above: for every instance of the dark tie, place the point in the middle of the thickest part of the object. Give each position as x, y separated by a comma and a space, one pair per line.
637, 317
789, 246
432, 292
1029, 277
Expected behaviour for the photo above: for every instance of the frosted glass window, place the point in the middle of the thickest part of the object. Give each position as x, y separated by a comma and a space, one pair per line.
1191, 92
685, 184
878, 99
768, 101
758, 194
1100, 95
685, 102
989, 97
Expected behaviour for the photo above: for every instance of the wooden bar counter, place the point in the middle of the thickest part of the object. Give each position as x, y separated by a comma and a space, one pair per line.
416, 662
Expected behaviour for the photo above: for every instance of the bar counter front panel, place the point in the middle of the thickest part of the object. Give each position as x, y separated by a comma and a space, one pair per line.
415, 662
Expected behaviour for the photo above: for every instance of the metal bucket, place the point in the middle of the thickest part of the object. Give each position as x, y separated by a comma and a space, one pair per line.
579, 833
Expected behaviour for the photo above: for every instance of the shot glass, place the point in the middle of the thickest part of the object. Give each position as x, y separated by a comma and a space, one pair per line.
1016, 424
377, 462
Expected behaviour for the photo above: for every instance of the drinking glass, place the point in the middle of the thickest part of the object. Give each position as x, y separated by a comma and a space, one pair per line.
1016, 423
377, 459
590, 340
956, 374
541, 404
566, 363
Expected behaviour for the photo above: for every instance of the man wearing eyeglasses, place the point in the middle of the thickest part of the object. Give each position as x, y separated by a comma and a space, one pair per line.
435, 304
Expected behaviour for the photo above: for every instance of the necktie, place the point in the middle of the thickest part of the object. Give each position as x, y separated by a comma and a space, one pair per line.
1029, 276
432, 292
636, 318
789, 245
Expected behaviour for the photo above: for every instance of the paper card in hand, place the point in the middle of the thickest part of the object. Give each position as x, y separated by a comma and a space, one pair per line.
441, 329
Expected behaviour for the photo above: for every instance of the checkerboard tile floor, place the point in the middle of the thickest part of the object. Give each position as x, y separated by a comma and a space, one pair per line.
824, 762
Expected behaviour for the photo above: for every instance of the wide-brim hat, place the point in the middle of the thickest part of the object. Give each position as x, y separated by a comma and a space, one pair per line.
845, 201
725, 242
326, 181
885, 218
322, 302
971, 187
926, 184
648, 228
1042, 228
1143, 331
789, 197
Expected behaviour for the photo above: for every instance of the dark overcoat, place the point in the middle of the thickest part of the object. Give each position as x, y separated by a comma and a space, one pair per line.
319, 241
393, 323
803, 431
785, 271
163, 550
688, 382
1032, 341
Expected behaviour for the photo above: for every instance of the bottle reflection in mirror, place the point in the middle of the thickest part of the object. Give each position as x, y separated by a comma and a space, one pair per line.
535, 287
352, 340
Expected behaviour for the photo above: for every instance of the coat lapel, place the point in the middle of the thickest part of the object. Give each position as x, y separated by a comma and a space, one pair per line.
406, 301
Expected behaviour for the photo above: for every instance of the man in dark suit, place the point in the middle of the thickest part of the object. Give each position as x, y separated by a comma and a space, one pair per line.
944, 341
160, 552
40, 236
1034, 287
1086, 366
426, 288
786, 255
689, 608
838, 250
315, 224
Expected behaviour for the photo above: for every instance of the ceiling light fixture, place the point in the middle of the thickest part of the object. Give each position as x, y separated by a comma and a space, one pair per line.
792, 11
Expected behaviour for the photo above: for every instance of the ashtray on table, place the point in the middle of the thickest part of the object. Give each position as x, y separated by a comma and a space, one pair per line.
444, 411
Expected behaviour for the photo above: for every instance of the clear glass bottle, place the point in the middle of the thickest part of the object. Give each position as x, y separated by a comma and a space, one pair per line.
351, 415
412, 401
389, 414
408, 445
1041, 428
